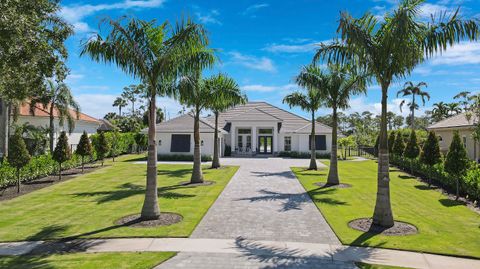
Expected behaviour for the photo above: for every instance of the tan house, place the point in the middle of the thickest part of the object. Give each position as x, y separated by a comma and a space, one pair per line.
444, 130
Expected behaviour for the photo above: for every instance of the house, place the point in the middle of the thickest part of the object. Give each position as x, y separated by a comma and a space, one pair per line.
256, 128
41, 118
444, 129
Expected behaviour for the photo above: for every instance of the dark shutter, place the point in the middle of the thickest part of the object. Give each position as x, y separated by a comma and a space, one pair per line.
320, 142
180, 143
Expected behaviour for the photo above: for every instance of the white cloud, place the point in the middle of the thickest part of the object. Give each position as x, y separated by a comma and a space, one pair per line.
254, 8
300, 45
93, 87
459, 54
75, 13
252, 62
361, 104
209, 18
263, 88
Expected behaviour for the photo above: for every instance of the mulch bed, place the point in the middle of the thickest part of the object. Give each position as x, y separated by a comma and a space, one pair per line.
204, 183
399, 228
40, 183
165, 219
336, 186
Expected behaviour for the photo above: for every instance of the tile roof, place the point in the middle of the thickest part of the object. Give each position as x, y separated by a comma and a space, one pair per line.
40, 111
256, 114
459, 120
184, 124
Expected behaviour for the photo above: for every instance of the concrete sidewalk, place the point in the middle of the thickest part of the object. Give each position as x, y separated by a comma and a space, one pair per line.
254, 251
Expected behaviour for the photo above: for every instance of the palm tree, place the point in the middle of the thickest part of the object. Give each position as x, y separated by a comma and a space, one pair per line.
309, 102
389, 50
413, 90
157, 55
227, 94
57, 99
439, 111
121, 103
335, 88
453, 109
465, 102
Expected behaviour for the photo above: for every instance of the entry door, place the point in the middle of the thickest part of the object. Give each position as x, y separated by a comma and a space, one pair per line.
265, 144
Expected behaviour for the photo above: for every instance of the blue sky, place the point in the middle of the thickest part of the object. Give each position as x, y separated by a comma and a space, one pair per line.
263, 45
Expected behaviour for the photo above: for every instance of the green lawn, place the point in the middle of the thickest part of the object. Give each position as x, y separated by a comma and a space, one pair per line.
362, 265
89, 205
445, 226
145, 260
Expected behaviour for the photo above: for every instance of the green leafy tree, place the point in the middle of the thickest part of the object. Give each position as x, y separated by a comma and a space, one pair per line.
57, 99
413, 90
412, 150
310, 102
345, 143
62, 152
389, 49
114, 146
84, 148
336, 85
18, 156
398, 145
102, 147
157, 55
456, 162
391, 141
227, 94
431, 152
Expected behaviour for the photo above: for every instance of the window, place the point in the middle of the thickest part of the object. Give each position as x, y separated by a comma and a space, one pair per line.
265, 131
244, 131
288, 143
320, 142
180, 143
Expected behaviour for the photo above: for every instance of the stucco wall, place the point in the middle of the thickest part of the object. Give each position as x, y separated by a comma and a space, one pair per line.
164, 143
447, 136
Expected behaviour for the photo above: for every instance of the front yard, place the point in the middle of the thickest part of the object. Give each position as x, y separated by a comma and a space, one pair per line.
445, 226
89, 206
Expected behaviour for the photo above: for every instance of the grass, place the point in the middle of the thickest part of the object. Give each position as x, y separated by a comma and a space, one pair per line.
445, 226
145, 260
362, 265
89, 205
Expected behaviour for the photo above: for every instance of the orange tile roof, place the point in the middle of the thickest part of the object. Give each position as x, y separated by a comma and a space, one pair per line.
40, 111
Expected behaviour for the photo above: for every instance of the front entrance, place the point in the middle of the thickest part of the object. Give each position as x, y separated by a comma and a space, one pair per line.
265, 144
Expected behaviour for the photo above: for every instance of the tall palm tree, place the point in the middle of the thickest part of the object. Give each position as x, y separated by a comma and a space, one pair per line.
465, 102
227, 94
335, 86
453, 109
121, 103
390, 49
439, 111
310, 102
413, 90
57, 99
157, 55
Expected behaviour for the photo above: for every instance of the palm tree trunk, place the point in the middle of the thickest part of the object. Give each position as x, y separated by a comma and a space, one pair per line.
313, 160
197, 176
119, 111
413, 112
52, 129
150, 209
382, 214
333, 171
216, 157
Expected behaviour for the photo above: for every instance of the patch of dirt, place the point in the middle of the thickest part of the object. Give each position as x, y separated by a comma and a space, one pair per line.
399, 228
165, 219
10, 192
325, 185
204, 183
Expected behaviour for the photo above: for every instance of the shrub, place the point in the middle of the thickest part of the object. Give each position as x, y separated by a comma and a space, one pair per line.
84, 148
102, 148
182, 157
431, 150
62, 152
391, 141
398, 145
18, 155
228, 151
302, 155
457, 160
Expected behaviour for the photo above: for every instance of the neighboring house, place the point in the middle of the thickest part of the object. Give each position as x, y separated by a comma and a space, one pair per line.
444, 130
256, 128
41, 118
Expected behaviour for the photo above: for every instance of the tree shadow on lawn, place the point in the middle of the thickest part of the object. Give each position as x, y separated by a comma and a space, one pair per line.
128, 189
450, 203
294, 201
26, 261
406, 177
178, 173
424, 187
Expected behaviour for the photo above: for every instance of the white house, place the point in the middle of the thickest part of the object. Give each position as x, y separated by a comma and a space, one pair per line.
256, 128
444, 130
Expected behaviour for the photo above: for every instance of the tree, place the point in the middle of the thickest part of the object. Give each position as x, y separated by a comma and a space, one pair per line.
431, 152
391, 141
160, 116
62, 152
102, 147
18, 156
114, 146
310, 102
413, 90
389, 50
131, 94
440, 111
335, 87
157, 55
120, 103
464, 102
57, 99
398, 145
345, 143
398, 122
457, 160
412, 149
227, 94
453, 109
84, 148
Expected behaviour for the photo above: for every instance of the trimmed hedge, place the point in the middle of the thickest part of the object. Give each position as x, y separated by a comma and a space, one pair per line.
469, 184
182, 157
302, 155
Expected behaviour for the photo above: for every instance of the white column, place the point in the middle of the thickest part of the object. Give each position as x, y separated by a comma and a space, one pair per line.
275, 139
254, 139
232, 140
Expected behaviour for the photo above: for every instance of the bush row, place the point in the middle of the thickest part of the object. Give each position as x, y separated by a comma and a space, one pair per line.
302, 155
469, 184
182, 157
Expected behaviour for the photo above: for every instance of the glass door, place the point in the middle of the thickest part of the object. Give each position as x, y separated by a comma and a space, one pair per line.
265, 144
